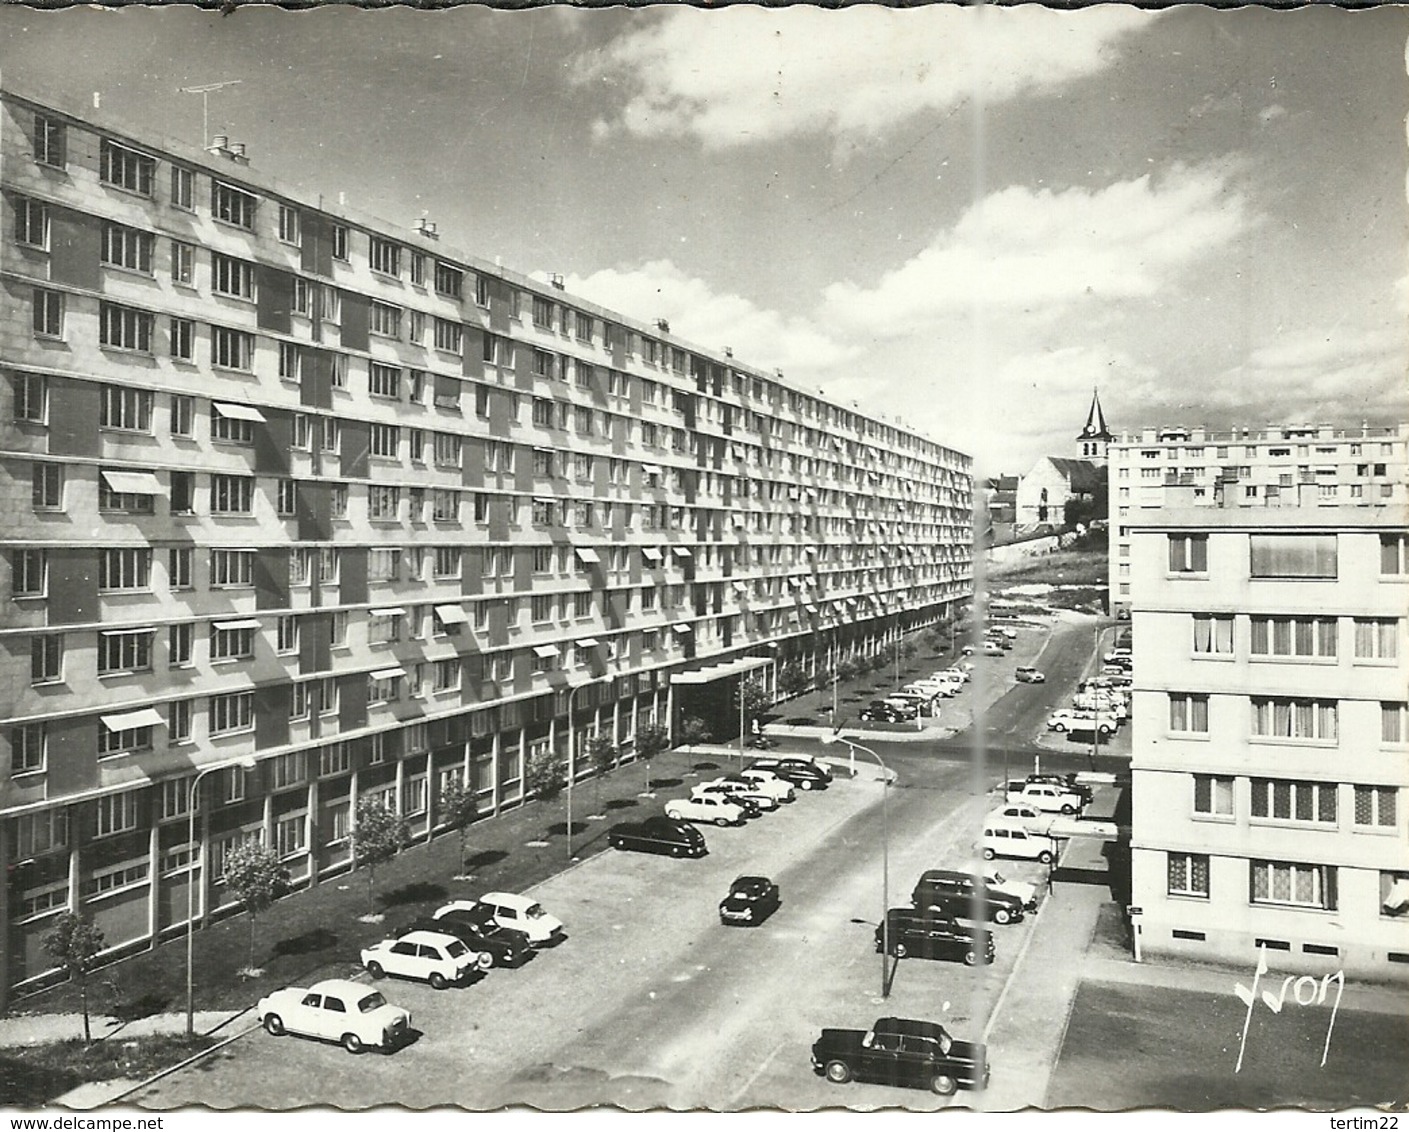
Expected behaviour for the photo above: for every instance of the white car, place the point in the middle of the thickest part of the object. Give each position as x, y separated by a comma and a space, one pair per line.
932, 687
1072, 719
515, 912
432, 957
336, 1010
1020, 815
1047, 797
781, 789
1005, 841
720, 811
995, 880
723, 788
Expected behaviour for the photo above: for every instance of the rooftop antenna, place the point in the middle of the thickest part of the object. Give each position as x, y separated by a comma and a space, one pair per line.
204, 92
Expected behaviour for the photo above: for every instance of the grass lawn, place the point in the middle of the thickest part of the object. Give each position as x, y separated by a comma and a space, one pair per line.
33, 1075
1061, 568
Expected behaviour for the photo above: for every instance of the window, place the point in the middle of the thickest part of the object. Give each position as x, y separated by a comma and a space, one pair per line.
448, 335
31, 222
1281, 800
290, 231
183, 188
383, 502
1294, 636
31, 397
303, 296
231, 567
384, 380
286, 498
180, 643
125, 650
583, 420
542, 313
445, 505
447, 450
180, 562
1213, 634
339, 238
1394, 560
541, 607
124, 740
126, 409
1376, 806
48, 314
385, 440
1188, 874
183, 415
386, 320
583, 326
382, 689
1394, 722
449, 280
127, 247
183, 339
232, 712
47, 487
46, 658
231, 349
49, 139
231, 495
383, 628
286, 635
125, 168
384, 564
1188, 554
232, 277
384, 256
1280, 882
124, 569
123, 328
1294, 719
446, 675
27, 749
232, 205
235, 642
1213, 796
1292, 556
482, 292
116, 812
1376, 638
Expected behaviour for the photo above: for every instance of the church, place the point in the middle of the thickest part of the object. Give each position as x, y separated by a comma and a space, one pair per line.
1052, 481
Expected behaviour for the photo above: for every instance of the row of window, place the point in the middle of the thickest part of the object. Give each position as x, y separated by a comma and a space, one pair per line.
1275, 799
1374, 638
1283, 717
1285, 883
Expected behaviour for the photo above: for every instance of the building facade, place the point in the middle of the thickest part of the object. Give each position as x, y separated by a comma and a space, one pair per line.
289, 487
1276, 466
1271, 730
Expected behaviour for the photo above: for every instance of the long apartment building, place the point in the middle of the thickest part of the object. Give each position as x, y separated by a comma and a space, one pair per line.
1274, 466
285, 483
1270, 768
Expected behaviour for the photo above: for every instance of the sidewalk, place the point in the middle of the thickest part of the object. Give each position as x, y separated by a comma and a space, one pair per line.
41, 1029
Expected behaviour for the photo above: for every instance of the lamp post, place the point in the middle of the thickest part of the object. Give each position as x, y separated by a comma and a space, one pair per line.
192, 798
885, 848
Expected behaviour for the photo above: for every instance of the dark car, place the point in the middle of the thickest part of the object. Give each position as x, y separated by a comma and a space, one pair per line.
802, 773
954, 893
658, 834
902, 1051
751, 900
507, 948
933, 935
883, 712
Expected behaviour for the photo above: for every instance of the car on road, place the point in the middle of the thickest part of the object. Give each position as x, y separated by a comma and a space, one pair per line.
960, 894
741, 792
1009, 841
1047, 796
710, 808
658, 834
1072, 719
901, 1051
478, 933
1115, 656
1021, 815
933, 935
988, 648
882, 711
766, 782
516, 913
751, 900
805, 774
437, 958
1026, 674
336, 1010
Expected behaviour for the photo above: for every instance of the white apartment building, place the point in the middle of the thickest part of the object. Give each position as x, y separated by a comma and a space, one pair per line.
1271, 735
1273, 466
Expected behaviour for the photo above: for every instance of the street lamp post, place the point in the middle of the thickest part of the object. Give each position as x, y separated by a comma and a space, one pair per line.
885, 849
192, 798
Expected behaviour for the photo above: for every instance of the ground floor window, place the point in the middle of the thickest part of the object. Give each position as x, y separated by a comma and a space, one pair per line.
1303, 886
1188, 874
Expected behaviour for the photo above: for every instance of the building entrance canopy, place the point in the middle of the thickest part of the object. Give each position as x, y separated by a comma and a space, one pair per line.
710, 673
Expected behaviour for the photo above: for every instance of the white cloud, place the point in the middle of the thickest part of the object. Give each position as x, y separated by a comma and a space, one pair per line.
1038, 252
699, 314
745, 75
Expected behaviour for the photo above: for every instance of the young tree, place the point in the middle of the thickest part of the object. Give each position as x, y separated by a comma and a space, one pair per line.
380, 834
792, 680
651, 740
849, 669
547, 774
601, 757
458, 808
752, 693
694, 730
254, 876
75, 943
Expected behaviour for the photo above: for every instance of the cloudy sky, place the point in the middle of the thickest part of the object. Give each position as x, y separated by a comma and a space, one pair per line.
964, 218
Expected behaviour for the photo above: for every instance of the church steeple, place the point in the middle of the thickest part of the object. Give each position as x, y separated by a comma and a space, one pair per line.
1095, 436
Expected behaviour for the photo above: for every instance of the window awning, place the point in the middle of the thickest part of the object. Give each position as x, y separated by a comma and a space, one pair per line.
651, 553
545, 650
132, 483
810, 606
237, 412
586, 554
683, 628
739, 524
741, 587
390, 611
587, 643
651, 469
387, 673
683, 552
125, 632
810, 551
452, 614
1398, 897
231, 626
127, 720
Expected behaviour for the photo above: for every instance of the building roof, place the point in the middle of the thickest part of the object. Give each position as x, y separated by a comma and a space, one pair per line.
1095, 427
1084, 476
1001, 484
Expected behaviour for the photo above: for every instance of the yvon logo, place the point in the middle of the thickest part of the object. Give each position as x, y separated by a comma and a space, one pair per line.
1306, 991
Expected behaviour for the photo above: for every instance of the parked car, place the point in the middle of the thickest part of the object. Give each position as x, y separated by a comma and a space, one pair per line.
922, 702
931, 688
957, 894
999, 882
767, 781
931, 935
720, 811
482, 917
883, 711
1021, 815
1004, 630
658, 834
1026, 674
805, 774
751, 900
518, 913
437, 958
902, 1051
956, 672
1071, 719
988, 648
740, 792
1066, 782
1048, 797
1098, 703
336, 1010
505, 948
1115, 656
1009, 841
